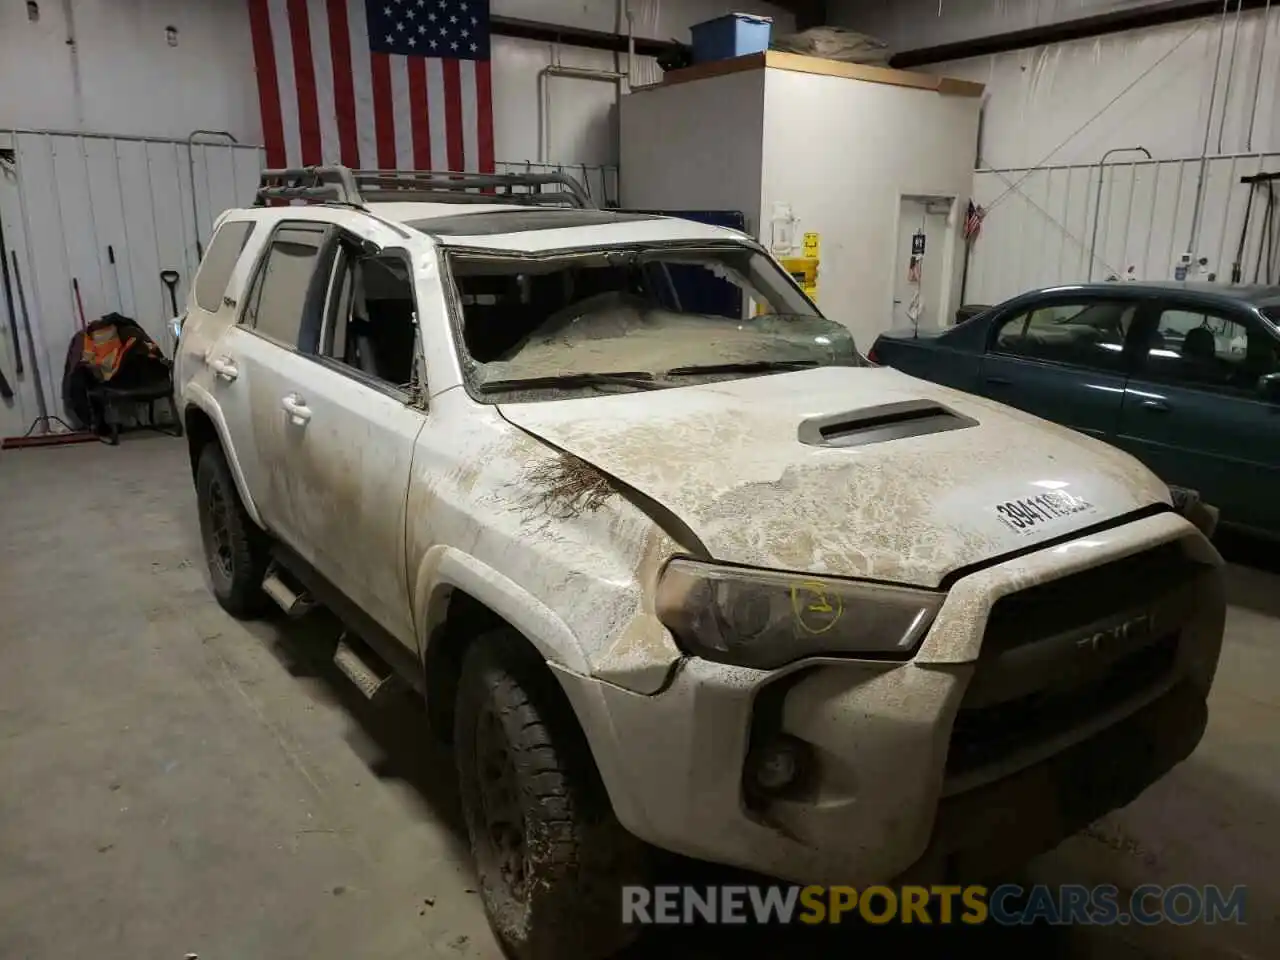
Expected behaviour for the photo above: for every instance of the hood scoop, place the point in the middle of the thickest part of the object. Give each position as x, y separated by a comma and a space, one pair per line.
889, 421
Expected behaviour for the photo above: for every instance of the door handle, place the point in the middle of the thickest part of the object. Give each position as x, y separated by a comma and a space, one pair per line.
999, 381
224, 368
1155, 406
297, 409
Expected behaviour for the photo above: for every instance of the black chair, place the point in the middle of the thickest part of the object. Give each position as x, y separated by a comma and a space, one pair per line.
142, 376
108, 403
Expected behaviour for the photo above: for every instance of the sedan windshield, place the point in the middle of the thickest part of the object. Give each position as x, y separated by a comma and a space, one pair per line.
636, 318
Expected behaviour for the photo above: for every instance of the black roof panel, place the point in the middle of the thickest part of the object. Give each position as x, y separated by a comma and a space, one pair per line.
491, 222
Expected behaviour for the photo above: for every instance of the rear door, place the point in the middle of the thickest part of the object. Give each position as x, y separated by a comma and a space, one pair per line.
337, 432
1063, 358
1193, 411
249, 362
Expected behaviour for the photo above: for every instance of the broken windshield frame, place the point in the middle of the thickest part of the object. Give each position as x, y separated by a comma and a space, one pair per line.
563, 322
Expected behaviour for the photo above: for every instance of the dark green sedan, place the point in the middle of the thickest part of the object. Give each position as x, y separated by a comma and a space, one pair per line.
1184, 376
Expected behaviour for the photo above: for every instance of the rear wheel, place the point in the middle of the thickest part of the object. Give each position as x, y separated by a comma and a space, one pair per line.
550, 855
235, 549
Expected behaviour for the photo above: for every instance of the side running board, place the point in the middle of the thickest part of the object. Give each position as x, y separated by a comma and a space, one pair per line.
369, 674
295, 603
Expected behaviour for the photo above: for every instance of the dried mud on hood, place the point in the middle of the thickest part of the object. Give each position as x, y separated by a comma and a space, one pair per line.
725, 457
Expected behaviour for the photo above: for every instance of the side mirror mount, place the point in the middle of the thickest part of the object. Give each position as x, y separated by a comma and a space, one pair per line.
1269, 387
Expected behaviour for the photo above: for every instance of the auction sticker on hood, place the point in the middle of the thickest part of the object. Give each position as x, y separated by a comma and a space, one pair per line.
1035, 513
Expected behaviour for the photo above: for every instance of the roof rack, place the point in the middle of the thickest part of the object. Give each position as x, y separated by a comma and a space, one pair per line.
338, 184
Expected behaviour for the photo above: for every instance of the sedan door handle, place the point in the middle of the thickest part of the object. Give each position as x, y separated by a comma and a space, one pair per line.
297, 409
224, 368
999, 381
1155, 406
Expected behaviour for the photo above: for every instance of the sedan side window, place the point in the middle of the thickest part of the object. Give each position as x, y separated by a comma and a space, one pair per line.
1207, 349
1089, 334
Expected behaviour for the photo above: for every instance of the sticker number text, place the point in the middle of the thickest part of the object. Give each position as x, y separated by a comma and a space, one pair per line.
1024, 516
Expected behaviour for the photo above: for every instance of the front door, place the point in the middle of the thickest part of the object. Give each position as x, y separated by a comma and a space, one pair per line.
1193, 411
1063, 359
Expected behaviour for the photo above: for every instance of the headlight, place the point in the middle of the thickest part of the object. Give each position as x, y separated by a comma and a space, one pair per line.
758, 618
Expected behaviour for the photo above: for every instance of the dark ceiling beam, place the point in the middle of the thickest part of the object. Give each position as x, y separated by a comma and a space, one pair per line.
808, 13
576, 36
1151, 15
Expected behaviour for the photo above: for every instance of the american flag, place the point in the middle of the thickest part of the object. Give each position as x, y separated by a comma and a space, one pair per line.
375, 84
973, 221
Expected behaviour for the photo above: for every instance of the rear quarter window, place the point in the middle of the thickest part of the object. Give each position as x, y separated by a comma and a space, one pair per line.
219, 260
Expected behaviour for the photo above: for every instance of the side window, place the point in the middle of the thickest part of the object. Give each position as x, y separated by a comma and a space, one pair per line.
278, 297
219, 260
1089, 334
1207, 349
371, 321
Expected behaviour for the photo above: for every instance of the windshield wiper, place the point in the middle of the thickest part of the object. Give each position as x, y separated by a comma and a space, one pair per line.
639, 379
754, 366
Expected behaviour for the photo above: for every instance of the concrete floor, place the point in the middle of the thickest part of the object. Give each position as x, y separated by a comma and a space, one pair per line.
173, 782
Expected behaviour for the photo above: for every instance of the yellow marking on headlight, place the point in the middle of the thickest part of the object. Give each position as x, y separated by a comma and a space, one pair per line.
813, 609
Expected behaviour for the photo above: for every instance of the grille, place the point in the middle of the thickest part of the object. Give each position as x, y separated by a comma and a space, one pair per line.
986, 733
1085, 597
983, 735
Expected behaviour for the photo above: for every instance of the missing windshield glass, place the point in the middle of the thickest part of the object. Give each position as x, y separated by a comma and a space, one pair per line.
605, 319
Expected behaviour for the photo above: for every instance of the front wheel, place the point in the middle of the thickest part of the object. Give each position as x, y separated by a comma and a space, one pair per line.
550, 855
235, 549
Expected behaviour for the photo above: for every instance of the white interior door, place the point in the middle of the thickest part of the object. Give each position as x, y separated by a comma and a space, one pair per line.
918, 294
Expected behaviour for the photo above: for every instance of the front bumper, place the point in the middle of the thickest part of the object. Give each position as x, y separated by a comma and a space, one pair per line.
883, 804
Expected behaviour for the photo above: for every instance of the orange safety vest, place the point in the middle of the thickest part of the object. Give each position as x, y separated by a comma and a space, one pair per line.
104, 350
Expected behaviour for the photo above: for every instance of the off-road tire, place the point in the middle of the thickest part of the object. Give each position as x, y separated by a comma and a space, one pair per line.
515, 737
235, 549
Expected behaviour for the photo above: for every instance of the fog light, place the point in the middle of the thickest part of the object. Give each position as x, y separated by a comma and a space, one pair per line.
777, 764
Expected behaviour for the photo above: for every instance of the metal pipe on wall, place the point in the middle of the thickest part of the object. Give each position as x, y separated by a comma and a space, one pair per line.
544, 97
191, 167
24, 215
1141, 163
1208, 127
1097, 201
1257, 77
1231, 70
631, 47
122, 137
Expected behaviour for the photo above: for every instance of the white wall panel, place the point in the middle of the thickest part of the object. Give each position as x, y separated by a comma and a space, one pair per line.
1040, 233
121, 76
1051, 112
67, 201
1055, 103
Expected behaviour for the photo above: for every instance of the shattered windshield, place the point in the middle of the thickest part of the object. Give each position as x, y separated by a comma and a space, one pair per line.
636, 318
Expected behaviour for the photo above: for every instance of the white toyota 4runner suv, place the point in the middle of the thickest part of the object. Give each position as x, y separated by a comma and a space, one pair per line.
672, 564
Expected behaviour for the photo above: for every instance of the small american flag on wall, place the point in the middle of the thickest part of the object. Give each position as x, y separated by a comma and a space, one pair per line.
375, 84
973, 221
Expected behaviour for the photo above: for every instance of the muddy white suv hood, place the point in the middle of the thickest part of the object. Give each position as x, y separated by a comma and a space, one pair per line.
727, 459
